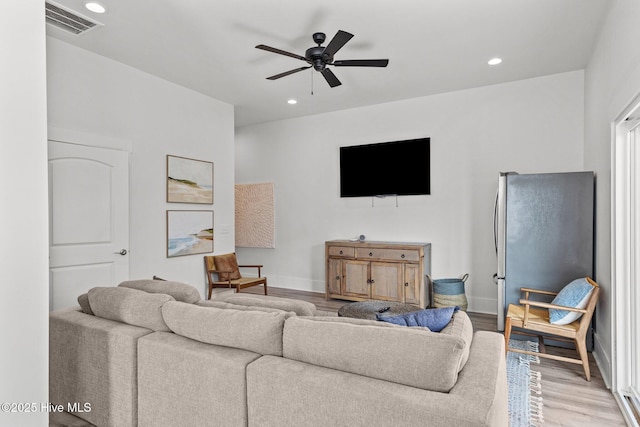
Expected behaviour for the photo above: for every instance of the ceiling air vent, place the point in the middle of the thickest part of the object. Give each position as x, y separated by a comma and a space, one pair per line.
68, 20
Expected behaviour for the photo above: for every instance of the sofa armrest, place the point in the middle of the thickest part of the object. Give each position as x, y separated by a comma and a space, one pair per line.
93, 361
483, 381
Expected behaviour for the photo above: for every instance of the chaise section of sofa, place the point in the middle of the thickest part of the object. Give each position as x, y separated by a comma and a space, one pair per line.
335, 373
282, 391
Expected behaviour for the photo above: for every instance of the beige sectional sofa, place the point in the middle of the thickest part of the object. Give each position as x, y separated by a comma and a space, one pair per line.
153, 354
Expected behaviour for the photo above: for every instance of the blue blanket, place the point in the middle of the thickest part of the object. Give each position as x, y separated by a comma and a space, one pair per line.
433, 318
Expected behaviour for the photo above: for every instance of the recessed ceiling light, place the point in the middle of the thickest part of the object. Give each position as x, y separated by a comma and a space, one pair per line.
494, 61
292, 101
95, 7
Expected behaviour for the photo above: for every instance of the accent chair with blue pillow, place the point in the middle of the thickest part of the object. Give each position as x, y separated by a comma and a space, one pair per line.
566, 318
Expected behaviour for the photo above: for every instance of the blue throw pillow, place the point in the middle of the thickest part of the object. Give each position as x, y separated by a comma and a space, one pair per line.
576, 294
435, 318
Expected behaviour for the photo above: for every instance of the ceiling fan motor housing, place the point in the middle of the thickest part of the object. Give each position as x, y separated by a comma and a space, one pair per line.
315, 55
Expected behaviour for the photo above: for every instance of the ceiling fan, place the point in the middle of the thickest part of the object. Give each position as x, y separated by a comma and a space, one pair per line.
319, 57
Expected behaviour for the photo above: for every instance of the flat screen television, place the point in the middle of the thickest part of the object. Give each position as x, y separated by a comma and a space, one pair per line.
390, 168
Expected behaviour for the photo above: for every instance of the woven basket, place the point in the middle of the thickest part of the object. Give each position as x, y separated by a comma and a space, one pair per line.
450, 292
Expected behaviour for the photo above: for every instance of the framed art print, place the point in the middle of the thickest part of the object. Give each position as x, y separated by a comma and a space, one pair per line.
189, 233
189, 180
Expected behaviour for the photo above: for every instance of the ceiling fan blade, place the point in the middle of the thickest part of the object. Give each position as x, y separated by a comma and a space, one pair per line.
340, 39
286, 73
361, 63
281, 52
330, 77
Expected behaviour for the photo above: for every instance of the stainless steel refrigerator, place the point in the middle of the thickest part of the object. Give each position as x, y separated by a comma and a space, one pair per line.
544, 232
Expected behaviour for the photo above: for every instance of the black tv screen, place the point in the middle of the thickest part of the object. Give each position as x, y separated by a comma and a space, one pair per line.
389, 168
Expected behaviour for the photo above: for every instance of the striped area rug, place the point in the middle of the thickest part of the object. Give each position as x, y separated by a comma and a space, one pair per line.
525, 400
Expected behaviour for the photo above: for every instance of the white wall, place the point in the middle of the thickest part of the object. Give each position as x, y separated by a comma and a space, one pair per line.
94, 95
612, 80
527, 126
24, 303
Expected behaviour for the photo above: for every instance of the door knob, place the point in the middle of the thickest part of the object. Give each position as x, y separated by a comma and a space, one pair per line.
122, 252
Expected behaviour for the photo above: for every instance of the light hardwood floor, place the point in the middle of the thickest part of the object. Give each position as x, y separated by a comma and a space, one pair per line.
569, 400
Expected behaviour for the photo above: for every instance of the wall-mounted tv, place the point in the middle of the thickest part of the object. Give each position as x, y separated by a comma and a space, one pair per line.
388, 168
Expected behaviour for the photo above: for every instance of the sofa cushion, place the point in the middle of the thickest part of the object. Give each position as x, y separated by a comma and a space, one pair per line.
301, 308
325, 313
226, 305
83, 300
255, 331
129, 306
353, 321
408, 356
179, 291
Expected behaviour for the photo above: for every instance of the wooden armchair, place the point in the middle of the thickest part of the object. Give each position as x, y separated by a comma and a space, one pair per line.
223, 271
533, 317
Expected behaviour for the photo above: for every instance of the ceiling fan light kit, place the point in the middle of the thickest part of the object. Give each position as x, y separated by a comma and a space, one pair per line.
319, 57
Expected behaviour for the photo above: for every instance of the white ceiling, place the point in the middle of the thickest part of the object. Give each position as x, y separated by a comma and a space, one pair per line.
433, 46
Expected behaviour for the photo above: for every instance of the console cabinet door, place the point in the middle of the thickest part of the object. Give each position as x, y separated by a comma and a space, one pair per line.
386, 281
412, 283
356, 278
334, 278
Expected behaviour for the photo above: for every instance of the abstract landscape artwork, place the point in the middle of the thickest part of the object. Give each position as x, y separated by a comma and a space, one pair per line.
189, 233
255, 215
189, 180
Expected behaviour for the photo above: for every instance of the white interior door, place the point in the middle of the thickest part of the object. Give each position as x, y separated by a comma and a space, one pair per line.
89, 220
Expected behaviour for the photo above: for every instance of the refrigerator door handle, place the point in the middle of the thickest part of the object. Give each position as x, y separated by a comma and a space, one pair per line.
495, 221
500, 223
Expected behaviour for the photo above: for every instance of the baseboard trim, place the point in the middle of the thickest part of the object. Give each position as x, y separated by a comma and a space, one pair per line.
601, 356
482, 305
295, 283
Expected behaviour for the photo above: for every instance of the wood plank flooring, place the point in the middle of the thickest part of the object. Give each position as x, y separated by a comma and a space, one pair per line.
569, 400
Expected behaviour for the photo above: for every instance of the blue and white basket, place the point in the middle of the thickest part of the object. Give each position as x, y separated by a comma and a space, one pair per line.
450, 292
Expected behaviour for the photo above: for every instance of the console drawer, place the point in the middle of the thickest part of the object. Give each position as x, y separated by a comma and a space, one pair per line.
342, 251
389, 254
